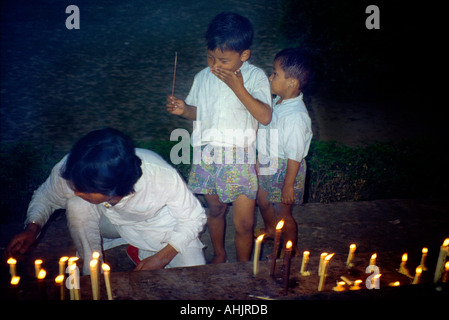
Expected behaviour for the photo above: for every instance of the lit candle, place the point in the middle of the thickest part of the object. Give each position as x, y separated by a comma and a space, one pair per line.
305, 260
107, 281
375, 281
422, 264
59, 281
62, 262
403, 268
356, 285
94, 279
41, 278
340, 286
287, 259
444, 252
446, 272
12, 267
324, 271
349, 263
320, 266
417, 275
372, 261
74, 284
277, 240
257, 246
15, 280
394, 284
37, 266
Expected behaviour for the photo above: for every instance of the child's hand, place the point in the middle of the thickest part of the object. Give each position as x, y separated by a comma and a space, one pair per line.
233, 80
288, 195
175, 106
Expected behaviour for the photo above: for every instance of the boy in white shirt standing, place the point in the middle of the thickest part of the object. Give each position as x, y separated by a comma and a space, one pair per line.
282, 168
227, 99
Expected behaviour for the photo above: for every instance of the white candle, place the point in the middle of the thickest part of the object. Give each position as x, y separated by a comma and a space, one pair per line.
320, 266
372, 261
59, 280
12, 267
62, 262
305, 260
356, 285
106, 270
324, 271
74, 284
444, 252
352, 248
446, 272
37, 266
258, 243
94, 279
403, 268
422, 264
418, 273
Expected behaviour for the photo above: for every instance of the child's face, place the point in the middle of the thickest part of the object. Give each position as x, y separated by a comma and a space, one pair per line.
279, 83
227, 60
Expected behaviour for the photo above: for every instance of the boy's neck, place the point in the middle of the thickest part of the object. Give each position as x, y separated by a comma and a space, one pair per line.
288, 96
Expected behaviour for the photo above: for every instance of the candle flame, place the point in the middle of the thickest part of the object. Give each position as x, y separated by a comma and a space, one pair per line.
96, 255
59, 279
446, 242
418, 270
425, 250
11, 261
404, 257
280, 225
446, 266
396, 284
260, 238
329, 256
73, 259
15, 280
306, 253
357, 282
41, 275
38, 261
105, 267
374, 256
353, 246
63, 259
93, 263
289, 244
377, 276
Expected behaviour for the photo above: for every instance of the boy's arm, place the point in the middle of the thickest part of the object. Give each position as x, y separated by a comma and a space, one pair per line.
179, 107
259, 110
288, 195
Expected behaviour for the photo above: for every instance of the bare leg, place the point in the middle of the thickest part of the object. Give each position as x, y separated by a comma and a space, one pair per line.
244, 222
267, 212
217, 225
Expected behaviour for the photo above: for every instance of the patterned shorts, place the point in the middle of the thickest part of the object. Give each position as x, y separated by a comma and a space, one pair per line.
225, 179
273, 183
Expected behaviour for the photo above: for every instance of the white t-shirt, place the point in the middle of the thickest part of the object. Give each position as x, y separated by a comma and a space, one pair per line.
222, 120
289, 133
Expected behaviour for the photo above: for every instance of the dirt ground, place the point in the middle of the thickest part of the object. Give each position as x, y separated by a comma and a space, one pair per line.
386, 227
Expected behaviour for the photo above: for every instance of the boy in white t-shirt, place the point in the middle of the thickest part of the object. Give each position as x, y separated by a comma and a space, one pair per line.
282, 168
227, 100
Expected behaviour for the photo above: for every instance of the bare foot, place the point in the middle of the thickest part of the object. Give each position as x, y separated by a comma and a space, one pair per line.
269, 234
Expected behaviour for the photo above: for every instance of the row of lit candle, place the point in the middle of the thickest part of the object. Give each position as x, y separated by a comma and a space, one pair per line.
72, 282
325, 258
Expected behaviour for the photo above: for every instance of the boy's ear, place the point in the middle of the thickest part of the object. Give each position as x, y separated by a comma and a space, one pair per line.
293, 83
246, 54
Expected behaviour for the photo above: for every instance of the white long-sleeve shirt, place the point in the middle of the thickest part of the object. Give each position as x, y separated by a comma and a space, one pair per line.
161, 211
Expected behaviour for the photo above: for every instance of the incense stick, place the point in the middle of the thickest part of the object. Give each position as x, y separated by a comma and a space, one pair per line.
174, 74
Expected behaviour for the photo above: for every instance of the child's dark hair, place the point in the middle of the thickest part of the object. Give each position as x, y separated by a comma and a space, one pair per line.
229, 31
103, 161
296, 63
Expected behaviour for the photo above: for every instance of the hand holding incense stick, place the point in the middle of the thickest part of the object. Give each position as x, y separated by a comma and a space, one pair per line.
174, 74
